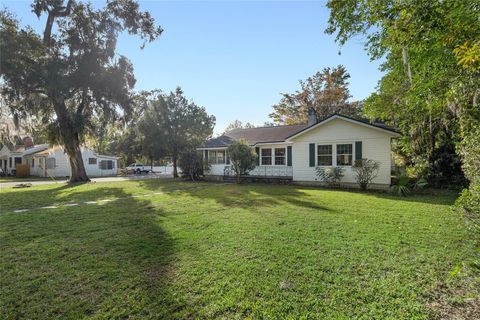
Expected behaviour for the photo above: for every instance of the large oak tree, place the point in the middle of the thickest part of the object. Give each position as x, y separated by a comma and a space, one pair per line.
71, 73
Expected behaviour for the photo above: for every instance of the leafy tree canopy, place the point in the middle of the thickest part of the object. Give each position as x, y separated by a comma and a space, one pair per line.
71, 73
177, 124
237, 124
326, 92
430, 87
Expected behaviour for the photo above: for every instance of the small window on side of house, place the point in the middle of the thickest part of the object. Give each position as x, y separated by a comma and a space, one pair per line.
105, 165
92, 160
50, 163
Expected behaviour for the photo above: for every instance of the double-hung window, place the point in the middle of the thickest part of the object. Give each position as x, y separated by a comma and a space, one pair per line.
280, 156
216, 157
344, 154
106, 165
324, 155
266, 157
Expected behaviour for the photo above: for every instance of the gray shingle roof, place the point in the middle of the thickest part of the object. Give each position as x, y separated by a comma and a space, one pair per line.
275, 134
254, 135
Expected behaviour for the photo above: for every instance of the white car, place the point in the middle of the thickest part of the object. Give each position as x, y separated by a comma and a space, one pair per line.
138, 168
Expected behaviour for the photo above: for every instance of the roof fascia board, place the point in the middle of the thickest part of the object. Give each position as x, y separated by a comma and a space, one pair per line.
394, 134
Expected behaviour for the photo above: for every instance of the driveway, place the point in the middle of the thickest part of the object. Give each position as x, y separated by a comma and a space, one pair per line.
102, 179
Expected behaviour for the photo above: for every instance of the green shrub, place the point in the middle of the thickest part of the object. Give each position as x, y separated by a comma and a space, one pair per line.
365, 171
242, 157
401, 187
192, 165
330, 175
469, 200
403, 184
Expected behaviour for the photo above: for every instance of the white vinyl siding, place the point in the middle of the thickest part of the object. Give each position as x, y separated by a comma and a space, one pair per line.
262, 170
375, 145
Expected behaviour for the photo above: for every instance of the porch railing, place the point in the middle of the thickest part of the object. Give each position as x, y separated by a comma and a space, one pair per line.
264, 171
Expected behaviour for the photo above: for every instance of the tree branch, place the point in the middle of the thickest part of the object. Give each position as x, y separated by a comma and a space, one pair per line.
52, 14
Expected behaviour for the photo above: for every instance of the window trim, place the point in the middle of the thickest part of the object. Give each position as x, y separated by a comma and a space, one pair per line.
266, 157
211, 157
332, 163
274, 152
106, 161
342, 154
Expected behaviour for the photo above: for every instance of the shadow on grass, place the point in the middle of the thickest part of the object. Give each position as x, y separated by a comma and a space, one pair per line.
259, 194
247, 196
104, 259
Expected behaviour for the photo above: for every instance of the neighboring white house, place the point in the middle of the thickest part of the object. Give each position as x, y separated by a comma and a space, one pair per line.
293, 152
44, 161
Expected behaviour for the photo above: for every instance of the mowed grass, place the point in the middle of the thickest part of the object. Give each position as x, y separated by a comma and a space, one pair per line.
203, 250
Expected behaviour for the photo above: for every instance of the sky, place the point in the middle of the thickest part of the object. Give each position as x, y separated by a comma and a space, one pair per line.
235, 58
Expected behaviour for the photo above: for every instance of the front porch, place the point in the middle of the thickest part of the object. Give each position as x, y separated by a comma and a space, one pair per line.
265, 174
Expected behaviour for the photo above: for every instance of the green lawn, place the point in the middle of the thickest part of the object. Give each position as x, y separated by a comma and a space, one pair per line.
26, 179
199, 250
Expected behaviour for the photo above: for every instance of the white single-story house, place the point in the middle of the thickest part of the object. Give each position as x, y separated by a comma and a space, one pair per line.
45, 161
294, 151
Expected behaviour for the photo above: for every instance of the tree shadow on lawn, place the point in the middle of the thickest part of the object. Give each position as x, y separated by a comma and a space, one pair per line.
271, 194
34, 197
437, 197
246, 196
110, 260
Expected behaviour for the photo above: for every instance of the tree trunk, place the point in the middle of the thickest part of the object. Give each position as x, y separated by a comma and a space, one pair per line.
406, 64
175, 172
71, 142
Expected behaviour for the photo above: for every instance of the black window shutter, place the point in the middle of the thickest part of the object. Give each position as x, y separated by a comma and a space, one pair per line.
312, 154
257, 150
358, 150
206, 155
227, 158
289, 156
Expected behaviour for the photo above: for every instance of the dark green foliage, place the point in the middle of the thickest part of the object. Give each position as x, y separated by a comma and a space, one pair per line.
403, 184
446, 168
330, 175
469, 200
243, 158
181, 124
192, 164
431, 80
71, 77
